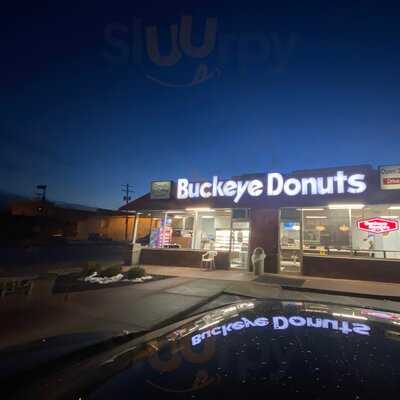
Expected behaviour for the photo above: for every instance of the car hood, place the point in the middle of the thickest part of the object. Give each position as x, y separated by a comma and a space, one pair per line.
294, 349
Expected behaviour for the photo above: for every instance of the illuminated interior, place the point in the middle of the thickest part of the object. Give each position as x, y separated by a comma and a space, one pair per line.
203, 229
333, 230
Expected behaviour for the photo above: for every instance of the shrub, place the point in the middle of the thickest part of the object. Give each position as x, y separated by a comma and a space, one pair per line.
90, 267
110, 271
136, 272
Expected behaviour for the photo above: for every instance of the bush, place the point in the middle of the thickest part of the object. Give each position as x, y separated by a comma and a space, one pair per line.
136, 272
90, 267
110, 271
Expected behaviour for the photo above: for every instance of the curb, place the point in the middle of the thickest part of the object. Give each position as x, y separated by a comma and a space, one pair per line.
341, 293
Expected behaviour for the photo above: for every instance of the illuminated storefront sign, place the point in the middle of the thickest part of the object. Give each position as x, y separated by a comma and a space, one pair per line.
378, 225
282, 323
275, 184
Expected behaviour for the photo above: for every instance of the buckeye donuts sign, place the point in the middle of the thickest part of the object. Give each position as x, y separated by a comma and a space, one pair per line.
378, 225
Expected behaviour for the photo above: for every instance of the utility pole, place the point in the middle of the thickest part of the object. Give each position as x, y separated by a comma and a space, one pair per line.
127, 190
41, 192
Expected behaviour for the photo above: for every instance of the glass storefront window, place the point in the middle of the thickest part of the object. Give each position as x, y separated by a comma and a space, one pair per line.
203, 229
172, 229
290, 240
240, 237
384, 245
325, 229
334, 231
213, 230
194, 229
290, 228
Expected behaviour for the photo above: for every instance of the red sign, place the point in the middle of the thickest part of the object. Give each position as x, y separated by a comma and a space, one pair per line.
391, 181
378, 225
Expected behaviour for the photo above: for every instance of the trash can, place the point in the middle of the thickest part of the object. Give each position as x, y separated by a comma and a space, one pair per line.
257, 259
136, 249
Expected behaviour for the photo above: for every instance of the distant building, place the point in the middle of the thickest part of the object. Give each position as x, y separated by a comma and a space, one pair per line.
43, 220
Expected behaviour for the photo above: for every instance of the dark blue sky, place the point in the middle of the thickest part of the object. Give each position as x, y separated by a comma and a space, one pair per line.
295, 86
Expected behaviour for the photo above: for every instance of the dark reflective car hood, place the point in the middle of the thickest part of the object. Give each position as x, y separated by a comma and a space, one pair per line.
297, 349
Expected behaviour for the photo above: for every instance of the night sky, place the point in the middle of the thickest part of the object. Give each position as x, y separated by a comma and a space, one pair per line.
291, 85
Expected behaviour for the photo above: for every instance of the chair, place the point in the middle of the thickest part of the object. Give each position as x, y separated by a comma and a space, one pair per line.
209, 258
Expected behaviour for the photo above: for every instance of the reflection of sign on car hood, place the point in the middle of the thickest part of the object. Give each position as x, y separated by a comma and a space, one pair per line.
381, 315
378, 225
283, 323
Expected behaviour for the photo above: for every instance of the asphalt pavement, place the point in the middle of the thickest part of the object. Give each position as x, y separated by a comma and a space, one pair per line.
41, 313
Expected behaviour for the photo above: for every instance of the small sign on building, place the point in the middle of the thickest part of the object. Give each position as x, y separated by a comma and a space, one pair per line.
160, 190
390, 177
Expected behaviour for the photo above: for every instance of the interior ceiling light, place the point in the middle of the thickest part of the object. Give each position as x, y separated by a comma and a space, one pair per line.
320, 228
354, 206
344, 228
200, 209
316, 216
309, 209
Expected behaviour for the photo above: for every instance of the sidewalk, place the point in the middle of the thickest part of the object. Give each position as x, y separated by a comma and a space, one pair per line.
375, 295
188, 272
345, 287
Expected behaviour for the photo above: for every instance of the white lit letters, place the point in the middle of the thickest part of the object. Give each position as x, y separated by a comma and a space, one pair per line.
275, 185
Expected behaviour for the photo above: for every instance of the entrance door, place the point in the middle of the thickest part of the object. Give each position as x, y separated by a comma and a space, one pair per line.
290, 255
240, 236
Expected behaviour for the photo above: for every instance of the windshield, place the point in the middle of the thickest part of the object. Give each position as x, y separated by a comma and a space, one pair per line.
160, 163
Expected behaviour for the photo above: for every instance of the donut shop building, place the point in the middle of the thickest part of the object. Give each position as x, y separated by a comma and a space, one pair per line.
340, 222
